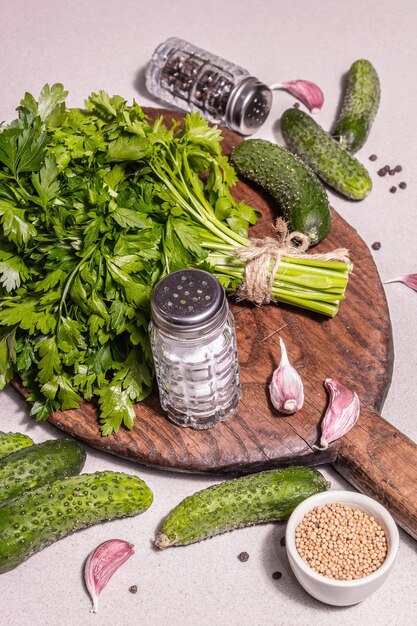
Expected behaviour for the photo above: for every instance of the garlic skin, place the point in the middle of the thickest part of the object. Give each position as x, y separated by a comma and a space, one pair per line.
341, 415
102, 563
286, 389
307, 92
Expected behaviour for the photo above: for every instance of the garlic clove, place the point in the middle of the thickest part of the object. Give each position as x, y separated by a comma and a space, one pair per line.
409, 279
102, 563
286, 389
307, 92
341, 415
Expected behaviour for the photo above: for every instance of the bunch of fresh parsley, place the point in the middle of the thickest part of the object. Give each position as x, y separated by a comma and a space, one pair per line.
96, 205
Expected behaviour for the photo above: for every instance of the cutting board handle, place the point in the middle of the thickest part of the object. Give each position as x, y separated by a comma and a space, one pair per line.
380, 461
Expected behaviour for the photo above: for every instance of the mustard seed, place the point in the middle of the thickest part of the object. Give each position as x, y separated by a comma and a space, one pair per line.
346, 543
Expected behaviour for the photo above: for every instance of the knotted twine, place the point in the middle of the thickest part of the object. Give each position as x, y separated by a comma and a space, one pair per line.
263, 257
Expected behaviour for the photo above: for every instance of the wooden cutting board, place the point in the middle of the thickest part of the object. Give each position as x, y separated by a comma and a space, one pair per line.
355, 347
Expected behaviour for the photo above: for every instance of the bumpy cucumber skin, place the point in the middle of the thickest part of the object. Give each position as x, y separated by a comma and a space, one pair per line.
359, 106
300, 195
262, 497
40, 517
326, 157
10, 442
38, 465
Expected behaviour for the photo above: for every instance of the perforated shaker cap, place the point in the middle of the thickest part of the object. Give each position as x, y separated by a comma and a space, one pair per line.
189, 303
249, 106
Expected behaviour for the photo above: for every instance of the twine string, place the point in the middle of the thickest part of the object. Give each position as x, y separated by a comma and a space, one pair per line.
263, 257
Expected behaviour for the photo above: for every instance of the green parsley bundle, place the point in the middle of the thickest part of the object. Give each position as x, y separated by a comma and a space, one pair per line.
97, 205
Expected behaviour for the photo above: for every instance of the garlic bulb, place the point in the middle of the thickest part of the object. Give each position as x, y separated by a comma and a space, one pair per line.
286, 388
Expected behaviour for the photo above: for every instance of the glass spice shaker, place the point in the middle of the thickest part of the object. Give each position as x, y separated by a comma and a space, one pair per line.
195, 80
194, 349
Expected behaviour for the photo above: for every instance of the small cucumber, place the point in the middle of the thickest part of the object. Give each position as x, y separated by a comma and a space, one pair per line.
359, 106
332, 163
10, 442
39, 464
300, 195
262, 497
37, 518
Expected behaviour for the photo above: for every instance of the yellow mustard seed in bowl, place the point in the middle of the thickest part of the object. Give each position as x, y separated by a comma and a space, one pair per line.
341, 542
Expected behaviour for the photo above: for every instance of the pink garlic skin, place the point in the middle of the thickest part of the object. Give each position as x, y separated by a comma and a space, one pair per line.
341, 415
307, 92
286, 389
102, 563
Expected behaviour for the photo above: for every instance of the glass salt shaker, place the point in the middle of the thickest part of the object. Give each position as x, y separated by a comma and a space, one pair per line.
195, 80
194, 349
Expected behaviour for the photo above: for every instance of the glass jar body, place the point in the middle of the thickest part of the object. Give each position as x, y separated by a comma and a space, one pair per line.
198, 378
193, 79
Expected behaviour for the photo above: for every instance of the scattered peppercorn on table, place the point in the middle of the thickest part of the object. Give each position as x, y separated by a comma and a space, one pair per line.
241, 577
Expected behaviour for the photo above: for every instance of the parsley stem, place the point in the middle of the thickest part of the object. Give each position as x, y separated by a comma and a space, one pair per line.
198, 213
208, 211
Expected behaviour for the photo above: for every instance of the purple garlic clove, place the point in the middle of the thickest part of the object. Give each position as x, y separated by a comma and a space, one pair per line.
307, 92
286, 388
102, 563
341, 415
409, 279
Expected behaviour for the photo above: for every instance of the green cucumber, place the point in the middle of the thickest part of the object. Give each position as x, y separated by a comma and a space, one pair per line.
39, 464
359, 106
300, 195
37, 518
326, 157
262, 497
10, 442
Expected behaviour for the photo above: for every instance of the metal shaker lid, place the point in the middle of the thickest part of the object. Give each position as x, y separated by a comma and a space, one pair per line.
249, 106
189, 302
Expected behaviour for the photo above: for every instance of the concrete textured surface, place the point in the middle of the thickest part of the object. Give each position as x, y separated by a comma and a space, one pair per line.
104, 44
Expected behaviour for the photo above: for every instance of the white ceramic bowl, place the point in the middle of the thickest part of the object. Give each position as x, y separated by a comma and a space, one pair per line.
329, 590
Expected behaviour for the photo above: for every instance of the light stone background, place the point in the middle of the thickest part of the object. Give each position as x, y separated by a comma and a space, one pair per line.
105, 45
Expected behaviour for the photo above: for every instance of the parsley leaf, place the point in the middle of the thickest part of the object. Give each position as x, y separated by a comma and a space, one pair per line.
45, 182
116, 408
13, 270
15, 227
7, 355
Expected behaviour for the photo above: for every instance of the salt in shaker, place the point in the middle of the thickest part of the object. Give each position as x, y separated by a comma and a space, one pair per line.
194, 349
193, 79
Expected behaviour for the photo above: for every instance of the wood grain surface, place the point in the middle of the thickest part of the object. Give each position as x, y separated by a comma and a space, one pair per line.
354, 347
